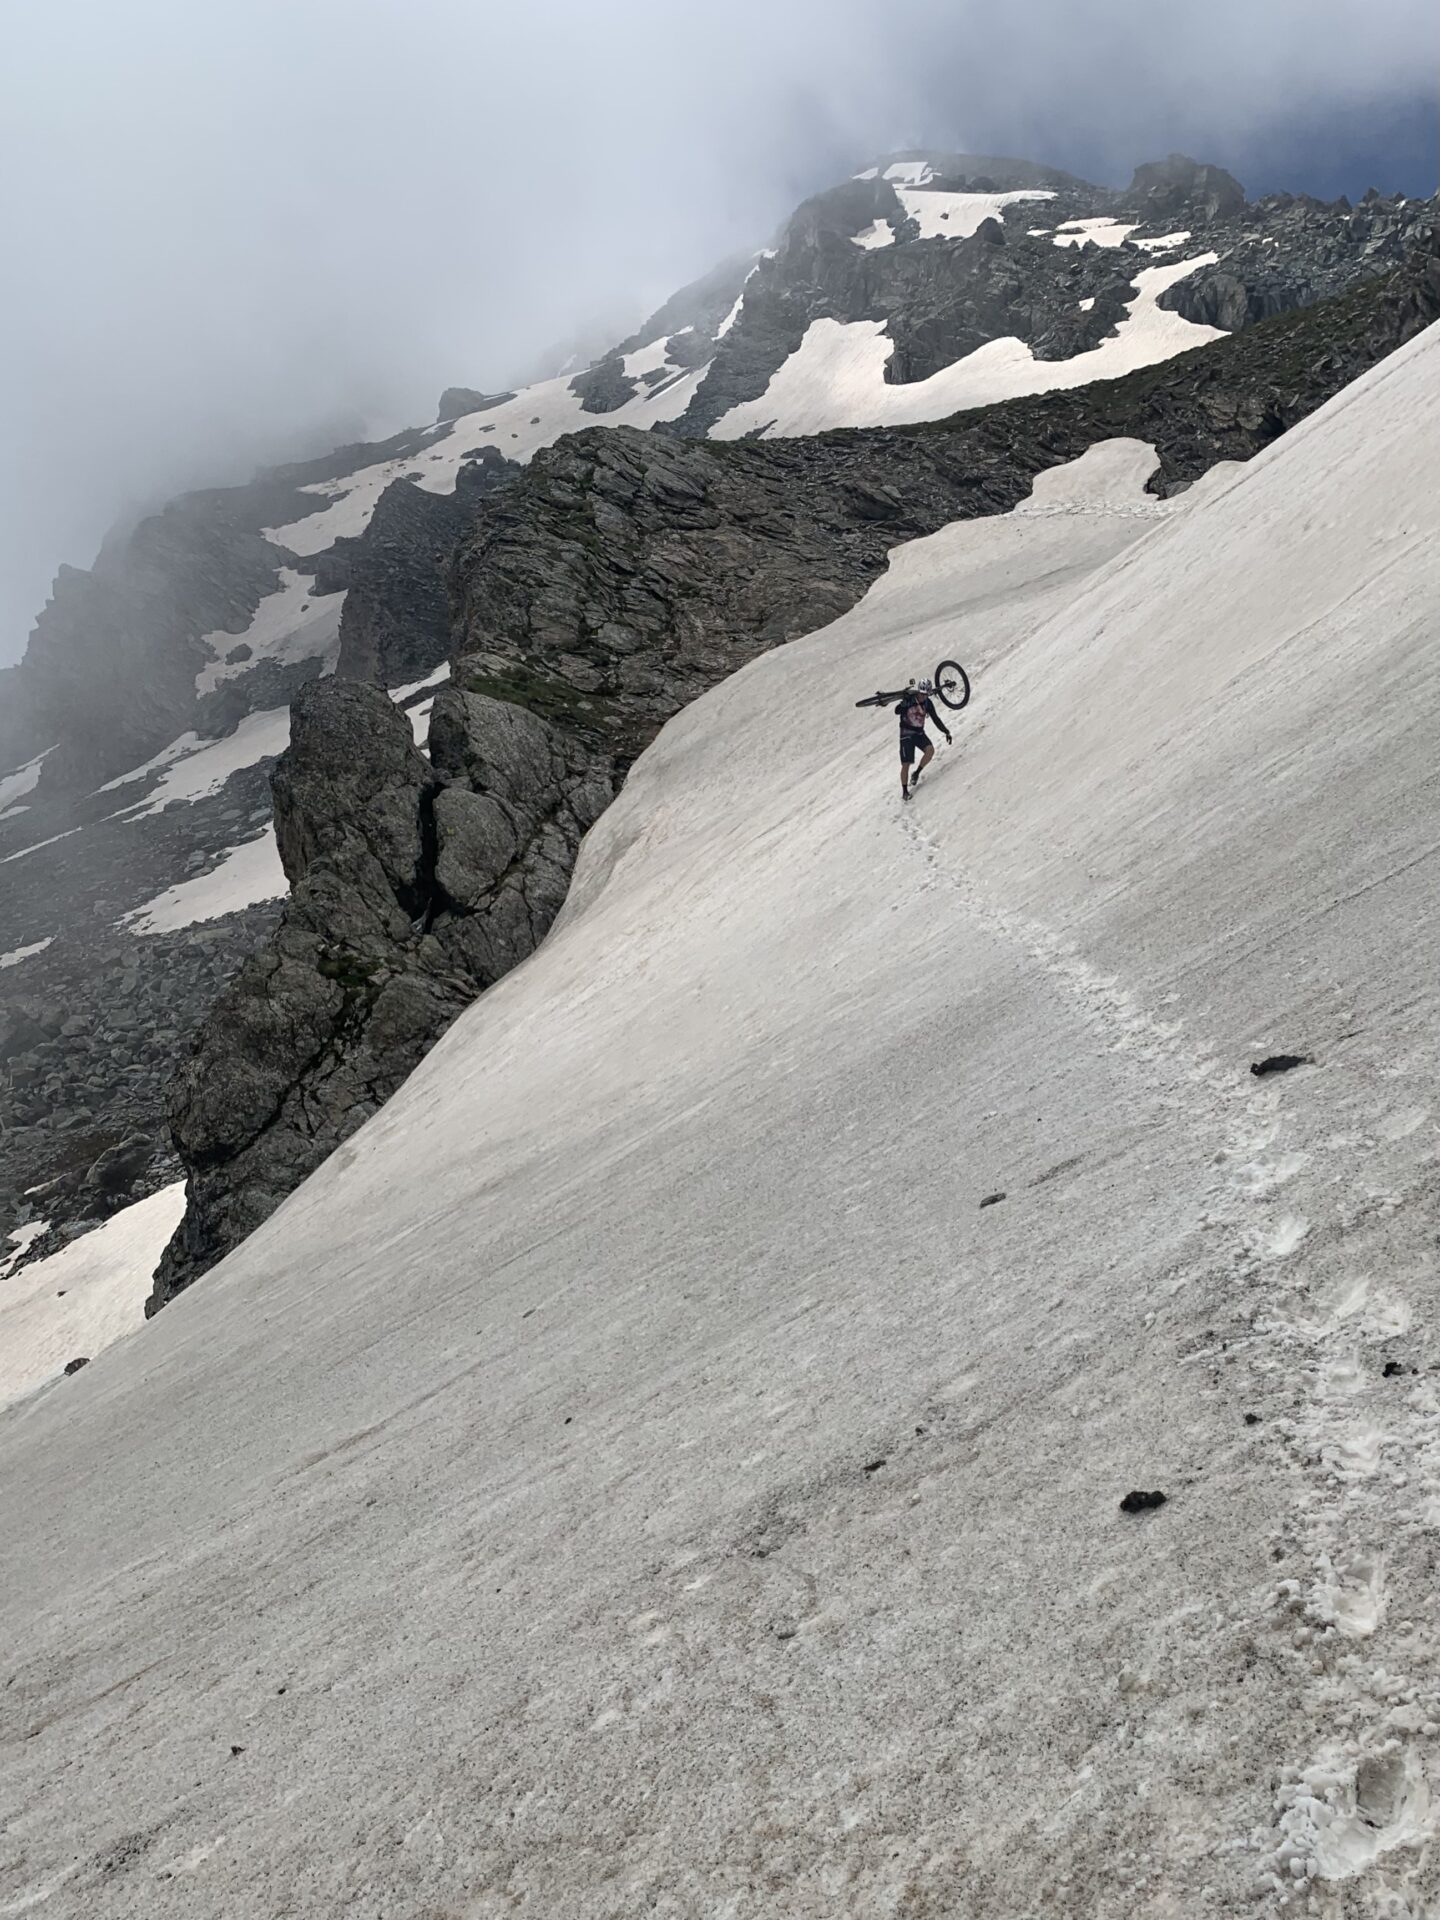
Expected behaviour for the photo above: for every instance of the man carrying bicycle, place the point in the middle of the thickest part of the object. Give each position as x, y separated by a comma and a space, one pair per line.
915, 708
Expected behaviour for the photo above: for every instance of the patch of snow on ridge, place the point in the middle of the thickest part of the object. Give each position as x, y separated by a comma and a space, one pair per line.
246, 875
293, 623
1102, 232
401, 694
21, 1241
1162, 242
36, 845
419, 717
178, 749
17, 954
654, 358
75, 1303
22, 781
956, 216
766, 253
536, 417
913, 172
879, 233
204, 771
836, 377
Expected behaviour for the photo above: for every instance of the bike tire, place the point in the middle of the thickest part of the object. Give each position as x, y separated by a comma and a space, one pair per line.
952, 685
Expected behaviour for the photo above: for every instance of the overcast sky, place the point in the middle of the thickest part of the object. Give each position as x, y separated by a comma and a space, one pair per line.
237, 230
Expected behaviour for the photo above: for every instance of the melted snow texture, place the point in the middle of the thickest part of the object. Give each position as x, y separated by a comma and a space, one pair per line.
622, 1346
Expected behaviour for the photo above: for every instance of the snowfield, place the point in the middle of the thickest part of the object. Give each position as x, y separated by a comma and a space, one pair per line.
836, 376
293, 623
13, 786
195, 768
670, 1460
245, 875
75, 1303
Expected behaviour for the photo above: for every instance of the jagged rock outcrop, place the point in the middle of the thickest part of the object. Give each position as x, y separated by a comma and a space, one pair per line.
615, 580
455, 401
114, 655
1166, 189
413, 885
1288, 251
606, 386
395, 626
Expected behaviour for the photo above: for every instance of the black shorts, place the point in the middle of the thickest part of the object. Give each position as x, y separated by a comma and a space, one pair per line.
911, 744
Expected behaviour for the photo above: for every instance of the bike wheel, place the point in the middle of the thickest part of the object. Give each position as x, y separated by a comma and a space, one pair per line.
952, 684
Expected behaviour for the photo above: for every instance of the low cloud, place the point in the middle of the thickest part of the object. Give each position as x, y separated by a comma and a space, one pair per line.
238, 231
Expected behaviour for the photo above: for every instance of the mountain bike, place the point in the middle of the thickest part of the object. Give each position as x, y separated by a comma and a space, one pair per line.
951, 686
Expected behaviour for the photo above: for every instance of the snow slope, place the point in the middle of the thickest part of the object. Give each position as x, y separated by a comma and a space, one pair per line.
245, 874
75, 1303
22, 781
636, 1474
195, 768
293, 623
836, 376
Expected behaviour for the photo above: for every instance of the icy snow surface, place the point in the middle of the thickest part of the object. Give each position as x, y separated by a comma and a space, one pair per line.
635, 1475
836, 377
81, 1300
246, 875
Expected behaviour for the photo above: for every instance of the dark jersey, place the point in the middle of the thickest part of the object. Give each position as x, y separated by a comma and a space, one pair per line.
914, 710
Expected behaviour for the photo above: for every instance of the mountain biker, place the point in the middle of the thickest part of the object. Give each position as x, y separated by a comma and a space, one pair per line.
915, 707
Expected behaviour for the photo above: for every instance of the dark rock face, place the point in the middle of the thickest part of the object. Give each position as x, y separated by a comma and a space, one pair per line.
396, 622
114, 656
616, 579
109, 673
1289, 252
413, 887
1164, 189
604, 387
457, 401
